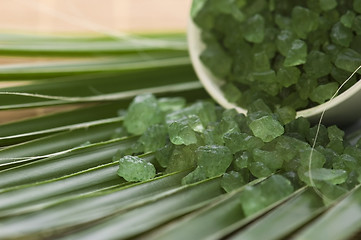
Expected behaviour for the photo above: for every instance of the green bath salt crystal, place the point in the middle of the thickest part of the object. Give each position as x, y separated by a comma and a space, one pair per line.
217, 59
204, 110
331, 192
164, 154
357, 6
171, 104
259, 169
336, 145
283, 22
261, 62
273, 189
181, 133
214, 159
266, 82
195, 176
333, 176
266, 128
286, 114
232, 180
250, 200
356, 25
242, 160
231, 92
288, 147
142, 113
284, 41
182, 158
348, 60
345, 162
324, 92
271, 159
237, 141
356, 43
213, 136
154, 138
297, 54
334, 133
299, 128
348, 18
135, 169
322, 135
227, 123
195, 123
312, 157
305, 86
318, 64
255, 22
304, 21
341, 35
288, 76
327, 5
258, 106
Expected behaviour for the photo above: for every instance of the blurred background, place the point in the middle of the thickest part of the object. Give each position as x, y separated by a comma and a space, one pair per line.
84, 16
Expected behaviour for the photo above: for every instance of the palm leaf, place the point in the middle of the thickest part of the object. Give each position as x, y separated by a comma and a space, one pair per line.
73, 161
25, 45
111, 65
57, 175
287, 218
145, 217
207, 222
58, 143
20, 131
75, 212
342, 221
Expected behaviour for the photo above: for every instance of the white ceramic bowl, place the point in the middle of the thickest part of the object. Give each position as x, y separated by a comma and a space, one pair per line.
343, 109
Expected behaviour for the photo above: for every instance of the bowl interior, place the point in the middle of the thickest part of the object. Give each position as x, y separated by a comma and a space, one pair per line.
343, 109
211, 83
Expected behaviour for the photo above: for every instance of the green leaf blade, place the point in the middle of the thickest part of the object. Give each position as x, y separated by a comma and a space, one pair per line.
285, 219
76, 212
72, 162
342, 221
57, 143
153, 214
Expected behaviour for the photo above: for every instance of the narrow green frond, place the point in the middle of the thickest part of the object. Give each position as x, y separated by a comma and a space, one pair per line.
76, 212
202, 224
90, 86
40, 126
129, 63
56, 100
152, 214
59, 143
24, 38
81, 46
71, 162
37, 196
342, 221
285, 219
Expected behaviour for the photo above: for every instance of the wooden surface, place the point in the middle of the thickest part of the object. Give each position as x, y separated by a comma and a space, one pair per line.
101, 16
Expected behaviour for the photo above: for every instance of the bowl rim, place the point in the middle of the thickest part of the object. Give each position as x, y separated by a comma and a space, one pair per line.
210, 82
